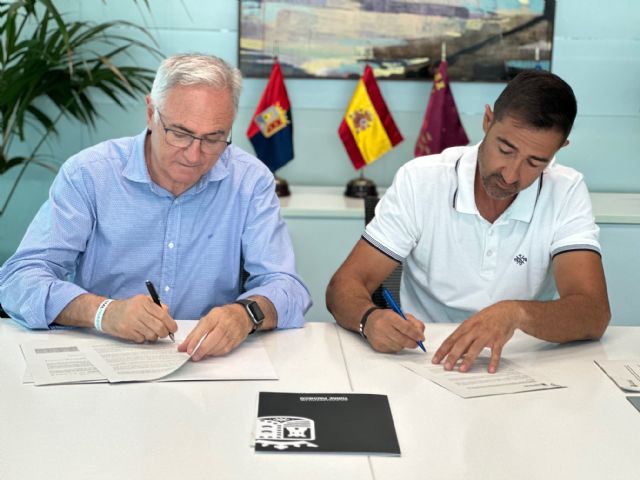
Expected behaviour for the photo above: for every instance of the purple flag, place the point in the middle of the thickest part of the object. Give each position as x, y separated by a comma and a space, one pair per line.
441, 127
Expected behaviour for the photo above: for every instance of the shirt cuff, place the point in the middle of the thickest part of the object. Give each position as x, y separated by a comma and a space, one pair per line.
60, 295
289, 304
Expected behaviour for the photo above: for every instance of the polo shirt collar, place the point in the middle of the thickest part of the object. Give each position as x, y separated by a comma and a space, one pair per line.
522, 207
136, 167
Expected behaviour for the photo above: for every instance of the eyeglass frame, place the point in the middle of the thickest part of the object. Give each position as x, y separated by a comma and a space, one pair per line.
166, 129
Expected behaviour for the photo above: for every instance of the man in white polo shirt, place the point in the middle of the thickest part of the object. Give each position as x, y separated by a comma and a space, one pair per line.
487, 234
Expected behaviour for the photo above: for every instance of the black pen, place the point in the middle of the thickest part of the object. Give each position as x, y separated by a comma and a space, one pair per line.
156, 300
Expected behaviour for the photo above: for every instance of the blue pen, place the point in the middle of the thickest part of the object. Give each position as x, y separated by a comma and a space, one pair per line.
396, 308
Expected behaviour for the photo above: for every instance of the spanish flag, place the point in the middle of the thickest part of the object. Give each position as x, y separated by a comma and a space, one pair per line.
271, 127
367, 129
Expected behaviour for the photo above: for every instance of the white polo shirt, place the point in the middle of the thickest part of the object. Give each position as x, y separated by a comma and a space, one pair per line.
456, 262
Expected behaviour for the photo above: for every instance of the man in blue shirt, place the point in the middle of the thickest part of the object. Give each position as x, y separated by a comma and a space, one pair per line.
178, 205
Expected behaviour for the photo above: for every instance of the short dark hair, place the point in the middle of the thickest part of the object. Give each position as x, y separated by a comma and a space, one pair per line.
540, 99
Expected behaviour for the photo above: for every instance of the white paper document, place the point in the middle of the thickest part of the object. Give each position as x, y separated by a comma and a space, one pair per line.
127, 362
624, 373
58, 362
104, 359
477, 382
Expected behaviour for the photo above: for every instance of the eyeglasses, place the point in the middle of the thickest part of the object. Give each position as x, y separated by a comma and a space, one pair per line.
209, 144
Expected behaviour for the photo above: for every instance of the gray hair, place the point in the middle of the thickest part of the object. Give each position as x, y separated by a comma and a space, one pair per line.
195, 69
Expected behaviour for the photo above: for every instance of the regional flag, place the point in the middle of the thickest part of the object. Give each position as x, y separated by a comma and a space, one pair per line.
367, 129
441, 127
271, 127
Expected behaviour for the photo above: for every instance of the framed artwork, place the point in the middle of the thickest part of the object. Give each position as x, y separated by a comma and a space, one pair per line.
485, 40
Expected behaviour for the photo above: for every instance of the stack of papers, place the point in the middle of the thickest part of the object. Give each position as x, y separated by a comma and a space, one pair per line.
624, 373
111, 360
477, 382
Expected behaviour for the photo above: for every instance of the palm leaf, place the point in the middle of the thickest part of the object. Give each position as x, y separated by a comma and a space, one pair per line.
44, 57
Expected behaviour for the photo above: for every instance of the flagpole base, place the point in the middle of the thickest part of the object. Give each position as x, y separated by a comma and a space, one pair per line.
282, 187
361, 187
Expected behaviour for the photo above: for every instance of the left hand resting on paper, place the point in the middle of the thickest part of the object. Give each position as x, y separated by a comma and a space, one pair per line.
491, 327
226, 327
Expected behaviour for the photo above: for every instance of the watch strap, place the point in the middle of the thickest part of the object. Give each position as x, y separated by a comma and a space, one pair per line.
255, 321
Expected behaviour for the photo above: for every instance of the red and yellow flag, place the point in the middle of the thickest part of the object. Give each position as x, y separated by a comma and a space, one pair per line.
271, 128
367, 129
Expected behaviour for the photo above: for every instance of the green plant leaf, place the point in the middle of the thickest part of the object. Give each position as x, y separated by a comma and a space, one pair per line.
50, 67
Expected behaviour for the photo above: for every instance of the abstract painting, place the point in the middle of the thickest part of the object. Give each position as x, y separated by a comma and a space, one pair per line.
484, 40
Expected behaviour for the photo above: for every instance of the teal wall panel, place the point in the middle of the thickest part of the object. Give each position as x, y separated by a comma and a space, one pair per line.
620, 246
321, 247
596, 49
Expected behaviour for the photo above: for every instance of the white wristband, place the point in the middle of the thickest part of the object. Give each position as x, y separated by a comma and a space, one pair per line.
100, 312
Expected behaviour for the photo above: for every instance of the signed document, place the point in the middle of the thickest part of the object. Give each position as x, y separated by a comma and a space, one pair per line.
127, 362
111, 360
477, 382
49, 363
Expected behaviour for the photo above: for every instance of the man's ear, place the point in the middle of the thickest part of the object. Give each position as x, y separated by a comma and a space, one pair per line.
150, 110
487, 119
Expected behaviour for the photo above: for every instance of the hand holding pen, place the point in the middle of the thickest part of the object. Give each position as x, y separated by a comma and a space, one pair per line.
156, 300
396, 308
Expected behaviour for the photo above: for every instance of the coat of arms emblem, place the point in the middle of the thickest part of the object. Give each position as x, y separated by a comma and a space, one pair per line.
284, 432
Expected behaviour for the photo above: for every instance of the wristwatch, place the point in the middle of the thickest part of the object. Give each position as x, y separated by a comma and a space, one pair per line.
254, 311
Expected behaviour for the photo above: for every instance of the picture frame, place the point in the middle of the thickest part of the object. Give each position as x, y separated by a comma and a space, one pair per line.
484, 40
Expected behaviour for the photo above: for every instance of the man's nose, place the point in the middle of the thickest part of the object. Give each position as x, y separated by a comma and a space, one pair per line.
192, 152
511, 173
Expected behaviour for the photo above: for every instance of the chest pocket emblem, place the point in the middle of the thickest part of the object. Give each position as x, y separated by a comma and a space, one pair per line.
520, 259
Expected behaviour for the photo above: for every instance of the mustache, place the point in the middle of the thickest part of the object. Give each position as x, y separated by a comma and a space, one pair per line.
498, 176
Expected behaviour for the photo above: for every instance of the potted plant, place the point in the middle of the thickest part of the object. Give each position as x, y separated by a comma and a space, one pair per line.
50, 67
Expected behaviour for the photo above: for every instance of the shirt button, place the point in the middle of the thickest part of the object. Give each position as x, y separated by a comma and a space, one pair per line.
166, 289
489, 253
490, 233
171, 245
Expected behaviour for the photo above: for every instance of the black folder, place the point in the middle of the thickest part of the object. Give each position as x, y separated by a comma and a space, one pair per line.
325, 422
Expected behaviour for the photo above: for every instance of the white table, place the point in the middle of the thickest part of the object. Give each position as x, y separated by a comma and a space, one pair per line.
195, 430
586, 431
165, 430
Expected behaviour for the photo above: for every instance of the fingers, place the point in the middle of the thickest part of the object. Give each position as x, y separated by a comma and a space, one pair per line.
192, 340
418, 325
158, 319
219, 332
169, 323
387, 332
466, 343
155, 322
454, 348
470, 356
494, 362
216, 343
446, 346
138, 319
461, 343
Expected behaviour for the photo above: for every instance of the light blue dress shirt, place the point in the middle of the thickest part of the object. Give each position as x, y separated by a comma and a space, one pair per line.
107, 227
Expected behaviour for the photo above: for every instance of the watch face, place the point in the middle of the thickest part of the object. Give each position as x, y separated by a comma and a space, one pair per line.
256, 312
